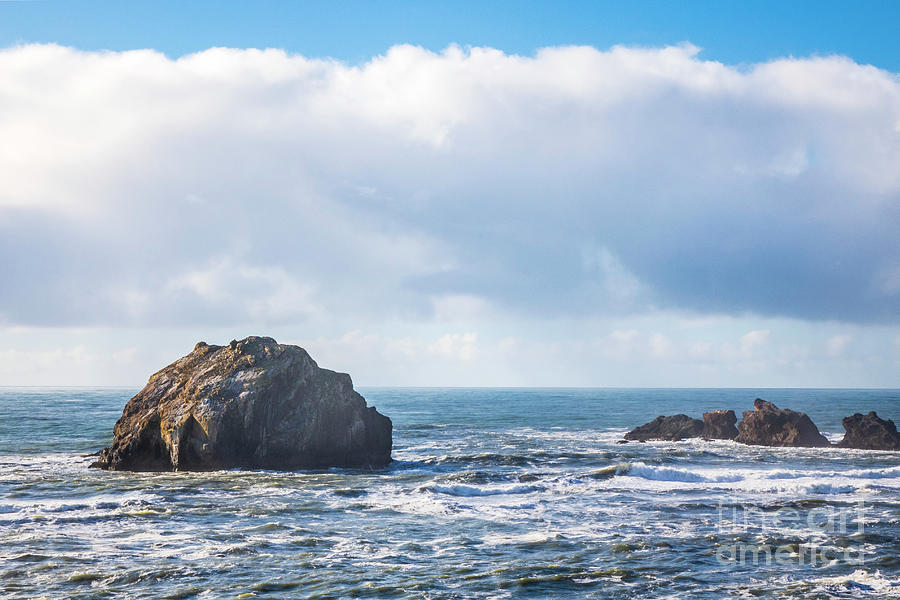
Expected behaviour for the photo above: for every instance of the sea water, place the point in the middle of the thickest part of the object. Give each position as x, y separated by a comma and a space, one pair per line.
493, 493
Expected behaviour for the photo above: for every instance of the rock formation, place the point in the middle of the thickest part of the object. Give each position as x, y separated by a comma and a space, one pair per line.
673, 428
719, 425
769, 425
869, 432
251, 404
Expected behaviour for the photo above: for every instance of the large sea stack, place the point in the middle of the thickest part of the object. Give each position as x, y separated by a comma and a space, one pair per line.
769, 425
251, 404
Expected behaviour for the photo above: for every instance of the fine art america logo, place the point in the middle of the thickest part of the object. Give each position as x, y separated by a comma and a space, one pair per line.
802, 534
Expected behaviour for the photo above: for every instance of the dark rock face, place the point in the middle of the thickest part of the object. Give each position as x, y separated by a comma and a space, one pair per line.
769, 425
676, 427
869, 432
252, 404
719, 425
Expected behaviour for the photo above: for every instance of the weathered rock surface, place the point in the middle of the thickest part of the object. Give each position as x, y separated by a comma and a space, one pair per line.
673, 428
769, 425
869, 432
251, 404
719, 425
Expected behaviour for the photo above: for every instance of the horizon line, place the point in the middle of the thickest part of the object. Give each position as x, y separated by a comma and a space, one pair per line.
503, 387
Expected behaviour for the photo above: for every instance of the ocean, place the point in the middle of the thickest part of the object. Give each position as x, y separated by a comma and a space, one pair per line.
493, 493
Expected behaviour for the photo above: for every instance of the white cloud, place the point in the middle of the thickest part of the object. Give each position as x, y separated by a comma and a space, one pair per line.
552, 201
70, 365
617, 282
661, 346
700, 349
266, 293
459, 307
836, 345
456, 346
618, 345
125, 356
752, 341
574, 181
15, 359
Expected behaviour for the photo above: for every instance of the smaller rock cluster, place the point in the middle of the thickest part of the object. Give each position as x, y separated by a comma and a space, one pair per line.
869, 432
768, 425
720, 425
674, 428
716, 425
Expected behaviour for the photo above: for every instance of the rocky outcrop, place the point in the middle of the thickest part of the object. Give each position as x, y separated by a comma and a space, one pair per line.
719, 425
869, 432
251, 404
673, 428
769, 425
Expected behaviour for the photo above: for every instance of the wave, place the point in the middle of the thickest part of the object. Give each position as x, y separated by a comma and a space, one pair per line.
827, 488
857, 583
645, 471
889, 473
468, 490
760, 482
531, 538
714, 480
481, 459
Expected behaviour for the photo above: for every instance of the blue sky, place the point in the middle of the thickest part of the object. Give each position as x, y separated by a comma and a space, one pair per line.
454, 193
733, 32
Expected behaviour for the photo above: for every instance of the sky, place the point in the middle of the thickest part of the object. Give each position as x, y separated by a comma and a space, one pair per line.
454, 194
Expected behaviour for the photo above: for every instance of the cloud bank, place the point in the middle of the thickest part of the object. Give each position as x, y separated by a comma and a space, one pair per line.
243, 187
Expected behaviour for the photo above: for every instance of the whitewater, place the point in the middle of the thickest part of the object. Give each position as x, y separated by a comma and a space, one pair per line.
493, 493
